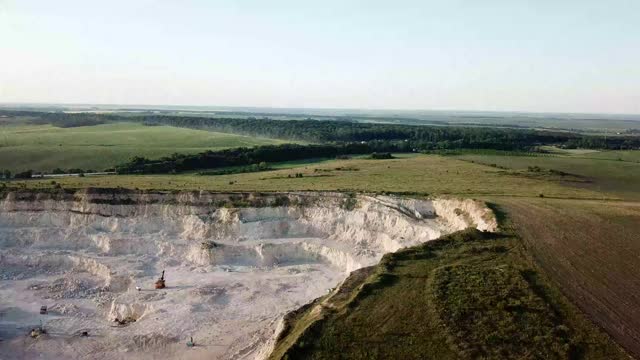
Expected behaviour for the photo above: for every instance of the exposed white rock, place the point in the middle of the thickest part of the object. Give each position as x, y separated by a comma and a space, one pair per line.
235, 263
459, 214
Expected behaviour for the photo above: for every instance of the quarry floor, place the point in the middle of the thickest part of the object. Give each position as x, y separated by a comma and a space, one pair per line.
230, 311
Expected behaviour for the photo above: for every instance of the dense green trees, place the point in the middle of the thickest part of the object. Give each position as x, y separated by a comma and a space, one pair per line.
238, 157
24, 175
381, 156
426, 137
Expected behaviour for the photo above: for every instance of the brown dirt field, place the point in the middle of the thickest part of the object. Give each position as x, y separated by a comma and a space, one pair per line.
591, 249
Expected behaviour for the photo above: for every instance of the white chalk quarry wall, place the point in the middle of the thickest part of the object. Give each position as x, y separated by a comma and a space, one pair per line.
141, 223
123, 238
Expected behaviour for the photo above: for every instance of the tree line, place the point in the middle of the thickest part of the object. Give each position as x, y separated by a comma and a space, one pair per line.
422, 137
244, 157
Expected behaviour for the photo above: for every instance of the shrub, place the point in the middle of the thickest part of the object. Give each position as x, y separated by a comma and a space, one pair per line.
381, 156
24, 175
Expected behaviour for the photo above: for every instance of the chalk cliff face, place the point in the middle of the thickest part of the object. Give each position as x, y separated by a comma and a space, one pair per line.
124, 238
355, 230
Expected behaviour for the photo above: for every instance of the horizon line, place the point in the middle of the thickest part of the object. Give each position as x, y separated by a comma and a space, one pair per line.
178, 106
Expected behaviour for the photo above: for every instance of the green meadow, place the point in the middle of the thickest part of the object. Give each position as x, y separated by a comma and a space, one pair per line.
45, 147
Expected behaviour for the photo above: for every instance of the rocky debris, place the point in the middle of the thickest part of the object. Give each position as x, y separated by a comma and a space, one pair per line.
16, 271
37, 332
209, 290
124, 321
68, 287
67, 309
153, 341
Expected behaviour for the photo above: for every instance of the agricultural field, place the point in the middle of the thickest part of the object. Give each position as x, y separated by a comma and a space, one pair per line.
45, 147
621, 155
590, 250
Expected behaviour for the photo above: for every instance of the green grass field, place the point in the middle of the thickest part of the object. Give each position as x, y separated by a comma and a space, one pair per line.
45, 147
422, 174
599, 171
621, 155
557, 150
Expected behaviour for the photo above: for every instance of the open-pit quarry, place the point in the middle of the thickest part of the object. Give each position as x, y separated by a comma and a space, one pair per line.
234, 265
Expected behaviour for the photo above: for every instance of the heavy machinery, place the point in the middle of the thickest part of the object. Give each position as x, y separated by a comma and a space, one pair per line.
160, 284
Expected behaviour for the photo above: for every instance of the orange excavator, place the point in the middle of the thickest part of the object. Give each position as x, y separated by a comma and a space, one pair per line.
160, 282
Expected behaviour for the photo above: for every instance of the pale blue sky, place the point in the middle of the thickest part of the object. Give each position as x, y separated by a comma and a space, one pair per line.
539, 55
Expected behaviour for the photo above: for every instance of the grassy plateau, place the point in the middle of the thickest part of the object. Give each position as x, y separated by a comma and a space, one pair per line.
613, 172
422, 174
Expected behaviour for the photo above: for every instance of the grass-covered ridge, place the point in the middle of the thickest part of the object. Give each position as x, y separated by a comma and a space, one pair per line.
467, 295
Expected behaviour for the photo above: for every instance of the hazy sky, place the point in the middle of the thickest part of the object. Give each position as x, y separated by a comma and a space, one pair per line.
538, 55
